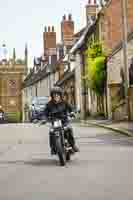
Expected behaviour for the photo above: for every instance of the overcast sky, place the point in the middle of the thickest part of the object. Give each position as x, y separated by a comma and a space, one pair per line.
23, 21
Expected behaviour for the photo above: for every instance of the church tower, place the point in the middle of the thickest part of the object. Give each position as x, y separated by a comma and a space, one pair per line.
12, 74
4, 53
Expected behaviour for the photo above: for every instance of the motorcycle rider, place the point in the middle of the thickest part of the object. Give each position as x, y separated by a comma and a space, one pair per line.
60, 108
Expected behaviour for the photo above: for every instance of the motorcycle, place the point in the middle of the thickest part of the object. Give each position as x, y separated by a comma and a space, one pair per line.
62, 148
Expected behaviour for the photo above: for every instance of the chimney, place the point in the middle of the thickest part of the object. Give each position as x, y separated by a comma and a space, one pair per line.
91, 11
67, 30
64, 17
49, 41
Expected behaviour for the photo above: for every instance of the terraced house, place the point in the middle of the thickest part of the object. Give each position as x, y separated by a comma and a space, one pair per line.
69, 65
66, 72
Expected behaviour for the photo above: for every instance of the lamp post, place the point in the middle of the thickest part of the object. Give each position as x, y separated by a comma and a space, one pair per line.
125, 43
49, 72
125, 48
49, 78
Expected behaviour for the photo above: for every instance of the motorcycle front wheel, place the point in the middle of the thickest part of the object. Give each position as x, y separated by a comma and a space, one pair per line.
68, 156
60, 152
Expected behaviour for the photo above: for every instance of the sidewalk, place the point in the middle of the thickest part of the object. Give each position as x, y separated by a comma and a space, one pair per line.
123, 127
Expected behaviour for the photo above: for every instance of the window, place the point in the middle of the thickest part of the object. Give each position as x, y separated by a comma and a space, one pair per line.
131, 73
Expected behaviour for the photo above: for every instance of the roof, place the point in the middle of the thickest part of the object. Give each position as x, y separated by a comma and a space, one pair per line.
78, 34
66, 77
119, 45
33, 78
88, 30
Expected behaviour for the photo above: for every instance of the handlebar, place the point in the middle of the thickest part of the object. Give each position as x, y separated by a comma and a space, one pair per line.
52, 118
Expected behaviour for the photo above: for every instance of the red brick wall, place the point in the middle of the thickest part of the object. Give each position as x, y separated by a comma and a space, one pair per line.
112, 22
130, 14
49, 38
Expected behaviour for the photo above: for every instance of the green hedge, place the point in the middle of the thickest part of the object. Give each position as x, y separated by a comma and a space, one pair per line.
14, 117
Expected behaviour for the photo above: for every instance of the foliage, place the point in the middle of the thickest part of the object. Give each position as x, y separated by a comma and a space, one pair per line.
95, 68
14, 117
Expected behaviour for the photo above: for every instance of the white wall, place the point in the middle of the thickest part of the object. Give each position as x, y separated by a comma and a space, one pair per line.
78, 80
116, 63
114, 66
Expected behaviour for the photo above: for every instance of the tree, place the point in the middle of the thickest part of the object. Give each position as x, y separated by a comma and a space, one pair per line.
96, 68
95, 72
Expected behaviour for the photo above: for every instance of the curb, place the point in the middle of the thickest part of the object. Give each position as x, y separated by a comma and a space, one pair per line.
124, 132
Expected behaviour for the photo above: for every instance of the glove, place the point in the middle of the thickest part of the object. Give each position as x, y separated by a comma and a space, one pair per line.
42, 122
72, 114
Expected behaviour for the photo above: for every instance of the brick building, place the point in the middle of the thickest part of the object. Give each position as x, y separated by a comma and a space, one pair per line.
111, 33
111, 22
42, 76
66, 78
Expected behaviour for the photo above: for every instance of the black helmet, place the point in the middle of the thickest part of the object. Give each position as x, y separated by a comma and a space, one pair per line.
56, 90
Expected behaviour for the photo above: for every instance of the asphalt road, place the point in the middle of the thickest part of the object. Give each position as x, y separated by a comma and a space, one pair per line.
103, 170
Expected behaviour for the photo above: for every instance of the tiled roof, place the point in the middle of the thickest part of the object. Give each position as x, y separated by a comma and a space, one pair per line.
66, 77
78, 34
88, 30
33, 78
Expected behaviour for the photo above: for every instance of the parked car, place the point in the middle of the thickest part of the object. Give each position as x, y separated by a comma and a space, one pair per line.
37, 107
2, 117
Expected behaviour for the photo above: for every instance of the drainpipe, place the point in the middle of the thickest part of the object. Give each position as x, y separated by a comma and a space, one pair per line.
125, 49
84, 90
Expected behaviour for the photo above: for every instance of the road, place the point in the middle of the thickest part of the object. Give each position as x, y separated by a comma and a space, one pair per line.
103, 170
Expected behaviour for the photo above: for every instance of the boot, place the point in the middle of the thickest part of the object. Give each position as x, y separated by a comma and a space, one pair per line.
53, 151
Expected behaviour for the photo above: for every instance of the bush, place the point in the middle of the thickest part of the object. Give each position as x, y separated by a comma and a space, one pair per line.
95, 68
14, 117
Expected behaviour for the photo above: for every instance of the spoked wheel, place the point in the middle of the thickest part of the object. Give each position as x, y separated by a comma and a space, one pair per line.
60, 152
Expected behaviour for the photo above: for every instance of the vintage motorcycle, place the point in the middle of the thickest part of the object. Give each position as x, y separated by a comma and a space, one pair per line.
59, 133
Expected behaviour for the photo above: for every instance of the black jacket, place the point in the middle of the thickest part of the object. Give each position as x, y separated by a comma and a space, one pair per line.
59, 110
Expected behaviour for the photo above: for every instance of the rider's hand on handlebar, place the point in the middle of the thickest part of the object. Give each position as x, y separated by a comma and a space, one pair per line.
72, 115
42, 122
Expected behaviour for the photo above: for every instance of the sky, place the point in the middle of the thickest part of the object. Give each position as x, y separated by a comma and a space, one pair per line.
23, 21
